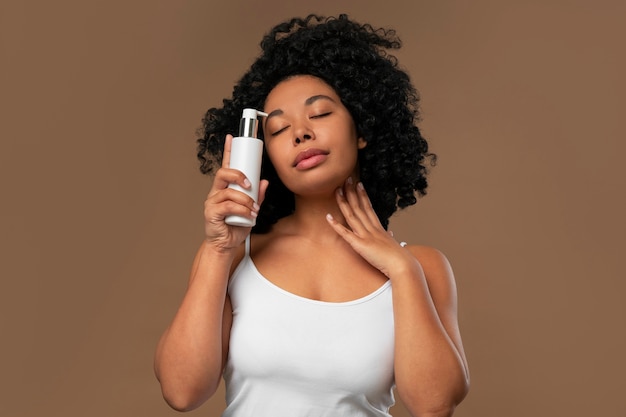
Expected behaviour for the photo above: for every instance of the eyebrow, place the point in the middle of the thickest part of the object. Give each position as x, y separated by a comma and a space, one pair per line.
307, 102
313, 99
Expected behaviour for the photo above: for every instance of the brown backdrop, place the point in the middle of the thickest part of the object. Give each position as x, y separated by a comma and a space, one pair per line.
102, 200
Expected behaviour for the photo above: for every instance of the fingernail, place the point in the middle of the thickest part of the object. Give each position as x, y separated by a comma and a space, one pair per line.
349, 181
246, 183
340, 191
254, 214
329, 217
256, 207
360, 185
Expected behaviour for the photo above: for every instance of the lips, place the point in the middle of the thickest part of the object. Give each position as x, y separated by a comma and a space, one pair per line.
307, 154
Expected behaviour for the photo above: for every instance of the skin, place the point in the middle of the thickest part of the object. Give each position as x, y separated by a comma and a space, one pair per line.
333, 218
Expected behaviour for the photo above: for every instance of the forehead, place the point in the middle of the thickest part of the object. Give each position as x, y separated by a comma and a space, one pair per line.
298, 88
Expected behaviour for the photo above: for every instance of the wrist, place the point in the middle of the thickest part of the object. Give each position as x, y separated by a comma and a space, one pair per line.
215, 249
405, 266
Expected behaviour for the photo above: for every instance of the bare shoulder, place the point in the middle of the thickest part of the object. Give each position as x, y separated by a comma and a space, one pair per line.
429, 257
436, 266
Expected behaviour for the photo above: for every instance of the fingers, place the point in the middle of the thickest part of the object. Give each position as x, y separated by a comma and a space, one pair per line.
367, 206
345, 201
226, 176
340, 229
227, 147
230, 202
223, 200
357, 208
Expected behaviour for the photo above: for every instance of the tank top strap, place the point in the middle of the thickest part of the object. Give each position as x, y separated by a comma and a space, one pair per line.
247, 246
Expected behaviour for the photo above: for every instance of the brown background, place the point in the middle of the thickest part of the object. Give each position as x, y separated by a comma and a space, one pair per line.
101, 198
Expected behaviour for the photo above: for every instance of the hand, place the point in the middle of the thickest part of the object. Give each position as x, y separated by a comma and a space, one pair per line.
365, 233
223, 201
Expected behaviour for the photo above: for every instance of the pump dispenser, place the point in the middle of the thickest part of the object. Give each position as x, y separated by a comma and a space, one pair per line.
245, 155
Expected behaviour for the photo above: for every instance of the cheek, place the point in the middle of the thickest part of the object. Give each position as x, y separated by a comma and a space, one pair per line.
270, 151
277, 158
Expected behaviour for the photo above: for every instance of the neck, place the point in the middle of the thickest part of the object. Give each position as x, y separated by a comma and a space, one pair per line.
309, 218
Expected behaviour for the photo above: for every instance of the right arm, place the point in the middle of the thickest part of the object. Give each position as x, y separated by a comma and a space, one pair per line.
192, 351
191, 354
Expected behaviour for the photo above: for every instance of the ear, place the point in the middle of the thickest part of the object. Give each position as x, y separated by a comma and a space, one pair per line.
361, 143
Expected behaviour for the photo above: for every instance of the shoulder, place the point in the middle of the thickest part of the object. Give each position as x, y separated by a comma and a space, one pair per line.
257, 241
437, 269
429, 257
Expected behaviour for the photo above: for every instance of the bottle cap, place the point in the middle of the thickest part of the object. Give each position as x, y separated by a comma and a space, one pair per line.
249, 123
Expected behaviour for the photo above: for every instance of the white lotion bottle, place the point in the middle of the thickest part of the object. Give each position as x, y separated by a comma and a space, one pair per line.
246, 155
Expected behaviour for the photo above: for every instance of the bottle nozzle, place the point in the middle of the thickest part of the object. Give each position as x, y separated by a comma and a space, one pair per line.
249, 123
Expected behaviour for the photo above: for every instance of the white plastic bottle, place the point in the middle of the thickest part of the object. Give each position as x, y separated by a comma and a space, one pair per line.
246, 155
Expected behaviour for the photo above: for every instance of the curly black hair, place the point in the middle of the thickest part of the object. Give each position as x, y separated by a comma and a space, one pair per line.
352, 59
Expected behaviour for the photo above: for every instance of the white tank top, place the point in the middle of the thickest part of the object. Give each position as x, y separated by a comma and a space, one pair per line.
292, 356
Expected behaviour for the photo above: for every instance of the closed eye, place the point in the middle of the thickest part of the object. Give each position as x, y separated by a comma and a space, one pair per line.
318, 116
278, 132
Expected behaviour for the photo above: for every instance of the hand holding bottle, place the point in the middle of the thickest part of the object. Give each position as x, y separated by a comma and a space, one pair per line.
246, 154
223, 201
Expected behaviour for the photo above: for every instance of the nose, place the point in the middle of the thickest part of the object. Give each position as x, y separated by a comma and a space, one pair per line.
303, 133
304, 137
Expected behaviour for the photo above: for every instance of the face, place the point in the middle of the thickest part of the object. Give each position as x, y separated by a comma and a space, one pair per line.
310, 136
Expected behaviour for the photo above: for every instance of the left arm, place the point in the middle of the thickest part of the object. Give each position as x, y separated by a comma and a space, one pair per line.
430, 366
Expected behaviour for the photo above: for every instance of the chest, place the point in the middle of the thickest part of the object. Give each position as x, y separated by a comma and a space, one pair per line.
319, 274
280, 336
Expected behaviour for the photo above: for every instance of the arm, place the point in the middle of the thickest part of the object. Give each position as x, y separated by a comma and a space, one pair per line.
191, 354
431, 370
430, 367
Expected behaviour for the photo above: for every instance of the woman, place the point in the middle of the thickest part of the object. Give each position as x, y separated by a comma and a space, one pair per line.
317, 310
